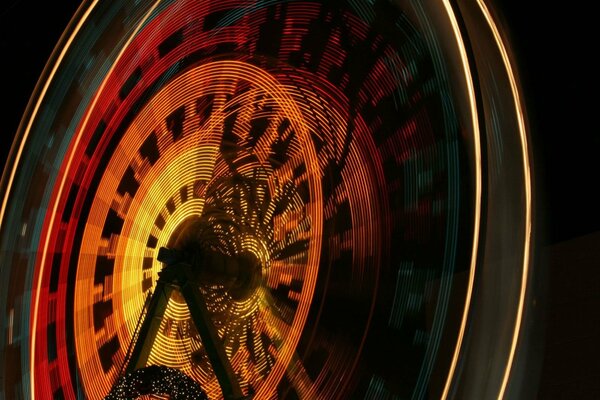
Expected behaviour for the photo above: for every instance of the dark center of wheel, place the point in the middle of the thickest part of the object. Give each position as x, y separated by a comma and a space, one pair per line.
239, 273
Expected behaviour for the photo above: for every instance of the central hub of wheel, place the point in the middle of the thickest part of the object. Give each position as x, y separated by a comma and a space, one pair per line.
239, 273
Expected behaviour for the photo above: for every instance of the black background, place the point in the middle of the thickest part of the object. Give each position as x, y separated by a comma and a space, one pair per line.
554, 48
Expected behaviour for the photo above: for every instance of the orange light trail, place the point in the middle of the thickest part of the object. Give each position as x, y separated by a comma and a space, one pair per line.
477, 195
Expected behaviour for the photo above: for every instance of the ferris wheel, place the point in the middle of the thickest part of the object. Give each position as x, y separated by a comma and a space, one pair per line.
270, 199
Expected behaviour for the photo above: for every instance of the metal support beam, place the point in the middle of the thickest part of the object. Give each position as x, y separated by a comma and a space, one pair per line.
180, 275
150, 325
210, 337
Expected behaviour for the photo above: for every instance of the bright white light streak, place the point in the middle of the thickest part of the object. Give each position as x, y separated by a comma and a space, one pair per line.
477, 212
527, 186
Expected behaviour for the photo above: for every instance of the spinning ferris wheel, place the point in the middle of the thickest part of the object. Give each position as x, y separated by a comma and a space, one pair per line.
270, 199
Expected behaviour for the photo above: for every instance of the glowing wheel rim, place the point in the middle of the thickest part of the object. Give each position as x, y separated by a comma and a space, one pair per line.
192, 96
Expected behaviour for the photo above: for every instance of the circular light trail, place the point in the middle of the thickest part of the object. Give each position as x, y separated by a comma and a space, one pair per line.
337, 145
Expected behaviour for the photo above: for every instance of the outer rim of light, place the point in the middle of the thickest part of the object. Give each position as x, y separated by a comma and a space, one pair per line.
63, 179
519, 111
16, 151
478, 191
527, 186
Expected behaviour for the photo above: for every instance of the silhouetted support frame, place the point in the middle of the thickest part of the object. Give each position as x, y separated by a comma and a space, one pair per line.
179, 275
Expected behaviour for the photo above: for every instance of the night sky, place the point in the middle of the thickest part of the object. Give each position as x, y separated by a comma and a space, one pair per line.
554, 47
28, 34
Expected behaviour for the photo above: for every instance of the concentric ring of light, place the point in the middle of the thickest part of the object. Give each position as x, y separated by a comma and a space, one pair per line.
193, 158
